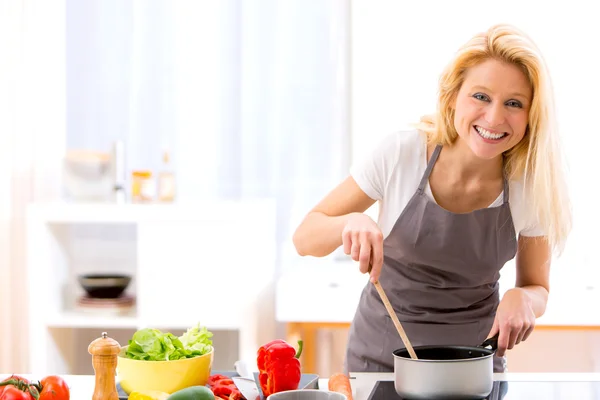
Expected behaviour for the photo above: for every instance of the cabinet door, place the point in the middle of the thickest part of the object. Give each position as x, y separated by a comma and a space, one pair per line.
205, 271
557, 349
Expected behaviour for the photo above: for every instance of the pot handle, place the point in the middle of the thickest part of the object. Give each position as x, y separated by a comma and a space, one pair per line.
492, 342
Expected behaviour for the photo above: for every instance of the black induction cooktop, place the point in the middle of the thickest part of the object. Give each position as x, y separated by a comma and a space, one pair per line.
509, 390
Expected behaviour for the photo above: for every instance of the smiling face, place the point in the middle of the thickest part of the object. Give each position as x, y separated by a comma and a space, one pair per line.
492, 108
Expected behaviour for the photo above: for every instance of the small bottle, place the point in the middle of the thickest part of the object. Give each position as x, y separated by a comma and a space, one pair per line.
142, 186
166, 182
118, 171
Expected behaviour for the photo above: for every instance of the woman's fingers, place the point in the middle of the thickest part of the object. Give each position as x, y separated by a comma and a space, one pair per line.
364, 258
525, 331
347, 241
528, 332
376, 256
512, 333
503, 339
355, 248
515, 331
365, 245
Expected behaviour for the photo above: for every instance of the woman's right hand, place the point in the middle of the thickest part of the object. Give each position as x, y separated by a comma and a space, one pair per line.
363, 241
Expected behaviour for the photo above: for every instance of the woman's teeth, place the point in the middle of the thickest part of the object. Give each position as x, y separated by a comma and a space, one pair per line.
484, 133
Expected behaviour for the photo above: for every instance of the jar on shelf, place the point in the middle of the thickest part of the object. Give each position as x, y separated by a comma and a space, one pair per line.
166, 182
142, 186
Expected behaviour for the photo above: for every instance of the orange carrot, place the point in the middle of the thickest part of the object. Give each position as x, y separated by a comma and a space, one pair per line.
340, 383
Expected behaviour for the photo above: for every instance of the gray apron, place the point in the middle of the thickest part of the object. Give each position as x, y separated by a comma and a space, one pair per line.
440, 272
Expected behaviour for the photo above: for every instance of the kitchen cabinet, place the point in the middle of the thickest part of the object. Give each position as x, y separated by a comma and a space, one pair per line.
558, 349
566, 338
207, 262
550, 349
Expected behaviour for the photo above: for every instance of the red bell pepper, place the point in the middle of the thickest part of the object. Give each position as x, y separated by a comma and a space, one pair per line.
223, 387
278, 367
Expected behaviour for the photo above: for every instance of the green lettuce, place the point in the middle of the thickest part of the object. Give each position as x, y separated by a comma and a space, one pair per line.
153, 345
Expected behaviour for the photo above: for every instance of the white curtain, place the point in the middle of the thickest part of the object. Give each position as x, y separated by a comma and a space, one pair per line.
32, 127
250, 98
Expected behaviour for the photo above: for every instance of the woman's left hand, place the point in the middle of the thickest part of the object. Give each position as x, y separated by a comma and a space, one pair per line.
515, 320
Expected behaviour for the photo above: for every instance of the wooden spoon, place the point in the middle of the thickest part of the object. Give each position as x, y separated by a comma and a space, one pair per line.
394, 317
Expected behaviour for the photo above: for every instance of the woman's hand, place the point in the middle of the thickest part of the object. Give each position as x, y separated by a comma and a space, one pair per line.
363, 240
515, 320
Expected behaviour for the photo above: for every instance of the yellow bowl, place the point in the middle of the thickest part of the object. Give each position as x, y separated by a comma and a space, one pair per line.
163, 376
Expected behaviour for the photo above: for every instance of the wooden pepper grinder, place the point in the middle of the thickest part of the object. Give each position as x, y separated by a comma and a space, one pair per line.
104, 353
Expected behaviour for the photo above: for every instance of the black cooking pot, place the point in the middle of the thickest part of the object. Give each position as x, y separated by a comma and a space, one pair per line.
446, 372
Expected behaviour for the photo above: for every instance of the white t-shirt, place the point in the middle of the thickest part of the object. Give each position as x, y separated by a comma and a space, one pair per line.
392, 172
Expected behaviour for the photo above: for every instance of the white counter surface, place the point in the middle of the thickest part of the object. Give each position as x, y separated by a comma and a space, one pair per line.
82, 386
536, 385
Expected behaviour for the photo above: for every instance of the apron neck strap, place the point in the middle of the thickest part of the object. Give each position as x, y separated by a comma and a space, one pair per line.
432, 160
505, 200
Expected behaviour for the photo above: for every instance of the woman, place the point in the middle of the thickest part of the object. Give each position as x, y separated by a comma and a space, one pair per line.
474, 186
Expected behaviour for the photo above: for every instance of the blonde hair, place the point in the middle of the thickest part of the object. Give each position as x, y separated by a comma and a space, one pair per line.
536, 159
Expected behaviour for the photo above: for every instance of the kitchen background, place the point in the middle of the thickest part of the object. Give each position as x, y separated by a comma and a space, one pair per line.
223, 122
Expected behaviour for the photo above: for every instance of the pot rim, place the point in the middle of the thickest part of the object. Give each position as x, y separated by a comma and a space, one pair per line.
471, 348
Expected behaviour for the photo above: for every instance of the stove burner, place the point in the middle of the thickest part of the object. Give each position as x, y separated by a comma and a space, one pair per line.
384, 390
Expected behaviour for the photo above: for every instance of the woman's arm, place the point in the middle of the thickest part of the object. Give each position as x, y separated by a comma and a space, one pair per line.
320, 233
520, 306
533, 271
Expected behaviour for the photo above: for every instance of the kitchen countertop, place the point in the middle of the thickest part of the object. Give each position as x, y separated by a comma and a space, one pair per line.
82, 386
364, 382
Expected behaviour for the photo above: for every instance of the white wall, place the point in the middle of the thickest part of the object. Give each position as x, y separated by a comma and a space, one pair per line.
251, 97
400, 47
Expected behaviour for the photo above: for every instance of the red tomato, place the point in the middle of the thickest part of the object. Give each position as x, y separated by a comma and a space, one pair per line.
19, 389
53, 387
18, 378
13, 377
13, 393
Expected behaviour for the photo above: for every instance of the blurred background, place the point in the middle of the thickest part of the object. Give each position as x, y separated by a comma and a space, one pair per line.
178, 144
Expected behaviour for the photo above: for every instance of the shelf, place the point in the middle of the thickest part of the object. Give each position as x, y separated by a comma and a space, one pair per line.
62, 213
211, 325
190, 263
78, 319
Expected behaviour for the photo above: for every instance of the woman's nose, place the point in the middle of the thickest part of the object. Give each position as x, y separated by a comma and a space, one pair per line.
495, 115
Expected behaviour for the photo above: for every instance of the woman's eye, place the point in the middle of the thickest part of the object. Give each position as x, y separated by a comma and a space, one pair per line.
480, 96
514, 103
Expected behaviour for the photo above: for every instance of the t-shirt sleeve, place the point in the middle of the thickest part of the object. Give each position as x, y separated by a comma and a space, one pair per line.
533, 229
373, 171
525, 218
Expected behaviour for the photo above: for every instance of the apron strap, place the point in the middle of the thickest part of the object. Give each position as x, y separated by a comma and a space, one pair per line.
505, 189
430, 164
